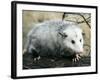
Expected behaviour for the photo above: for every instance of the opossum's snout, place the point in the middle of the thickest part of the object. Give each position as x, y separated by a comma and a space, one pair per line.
81, 51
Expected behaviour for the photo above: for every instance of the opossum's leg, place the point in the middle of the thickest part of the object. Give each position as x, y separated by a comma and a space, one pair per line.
76, 58
35, 55
32, 51
31, 48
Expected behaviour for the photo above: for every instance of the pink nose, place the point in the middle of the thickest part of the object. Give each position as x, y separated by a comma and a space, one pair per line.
81, 51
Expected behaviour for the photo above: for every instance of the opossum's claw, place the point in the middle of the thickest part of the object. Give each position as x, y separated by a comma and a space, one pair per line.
52, 60
37, 58
77, 58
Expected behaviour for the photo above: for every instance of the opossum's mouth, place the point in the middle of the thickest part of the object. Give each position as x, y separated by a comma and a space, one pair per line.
79, 53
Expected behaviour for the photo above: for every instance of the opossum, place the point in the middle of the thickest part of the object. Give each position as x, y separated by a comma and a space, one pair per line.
55, 38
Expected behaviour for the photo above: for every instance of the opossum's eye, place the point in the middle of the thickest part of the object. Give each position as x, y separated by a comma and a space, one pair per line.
80, 40
73, 42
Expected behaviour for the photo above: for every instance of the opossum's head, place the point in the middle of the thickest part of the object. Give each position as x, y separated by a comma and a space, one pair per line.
73, 39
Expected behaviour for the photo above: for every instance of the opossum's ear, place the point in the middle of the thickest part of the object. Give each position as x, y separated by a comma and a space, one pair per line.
63, 34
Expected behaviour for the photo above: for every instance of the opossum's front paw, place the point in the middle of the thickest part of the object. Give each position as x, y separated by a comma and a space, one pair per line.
76, 58
37, 58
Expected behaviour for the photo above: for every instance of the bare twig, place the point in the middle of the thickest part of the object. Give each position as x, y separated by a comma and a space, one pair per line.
85, 20
63, 16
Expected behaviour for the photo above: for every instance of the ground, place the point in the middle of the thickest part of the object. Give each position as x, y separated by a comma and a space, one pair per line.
48, 62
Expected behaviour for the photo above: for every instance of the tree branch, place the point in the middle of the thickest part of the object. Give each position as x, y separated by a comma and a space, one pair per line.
85, 20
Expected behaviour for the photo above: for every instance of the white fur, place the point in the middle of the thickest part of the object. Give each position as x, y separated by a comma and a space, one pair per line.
45, 39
